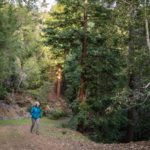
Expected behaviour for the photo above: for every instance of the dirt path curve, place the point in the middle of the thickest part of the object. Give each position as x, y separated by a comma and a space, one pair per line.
19, 138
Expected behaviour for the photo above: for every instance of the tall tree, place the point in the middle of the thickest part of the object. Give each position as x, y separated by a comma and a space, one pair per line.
104, 46
82, 90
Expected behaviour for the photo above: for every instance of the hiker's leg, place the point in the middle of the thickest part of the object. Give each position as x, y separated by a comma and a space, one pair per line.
32, 126
37, 125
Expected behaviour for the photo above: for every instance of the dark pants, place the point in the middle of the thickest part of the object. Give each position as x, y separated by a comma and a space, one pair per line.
35, 124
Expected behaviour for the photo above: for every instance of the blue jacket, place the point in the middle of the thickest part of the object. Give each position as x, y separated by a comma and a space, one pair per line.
35, 112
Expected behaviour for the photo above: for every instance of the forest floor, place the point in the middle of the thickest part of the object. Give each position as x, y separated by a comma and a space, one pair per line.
15, 135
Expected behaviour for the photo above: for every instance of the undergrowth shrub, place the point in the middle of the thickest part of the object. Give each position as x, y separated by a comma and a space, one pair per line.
41, 93
56, 114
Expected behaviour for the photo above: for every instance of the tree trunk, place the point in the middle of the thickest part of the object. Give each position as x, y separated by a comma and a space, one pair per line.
131, 83
82, 90
147, 34
59, 80
147, 28
131, 111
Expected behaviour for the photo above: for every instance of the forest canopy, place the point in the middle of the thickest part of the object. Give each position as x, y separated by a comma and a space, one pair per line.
100, 52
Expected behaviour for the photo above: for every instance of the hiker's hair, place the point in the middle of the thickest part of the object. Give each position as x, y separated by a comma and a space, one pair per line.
37, 103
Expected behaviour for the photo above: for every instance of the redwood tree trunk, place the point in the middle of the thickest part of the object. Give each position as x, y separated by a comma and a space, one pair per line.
59, 81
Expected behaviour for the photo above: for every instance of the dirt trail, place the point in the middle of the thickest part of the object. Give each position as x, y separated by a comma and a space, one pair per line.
18, 137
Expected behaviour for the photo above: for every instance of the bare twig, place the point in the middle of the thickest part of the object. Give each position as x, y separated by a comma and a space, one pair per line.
147, 85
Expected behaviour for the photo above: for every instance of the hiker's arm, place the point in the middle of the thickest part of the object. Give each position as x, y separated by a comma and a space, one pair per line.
32, 110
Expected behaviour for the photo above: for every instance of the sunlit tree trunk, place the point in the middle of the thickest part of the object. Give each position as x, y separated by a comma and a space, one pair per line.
59, 80
147, 34
147, 28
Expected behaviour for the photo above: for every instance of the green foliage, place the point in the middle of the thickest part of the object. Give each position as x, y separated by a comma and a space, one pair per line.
116, 66
56, 114
32, 73
3, 92
113, 59
71, 77
40, 93
142, 126
23, 57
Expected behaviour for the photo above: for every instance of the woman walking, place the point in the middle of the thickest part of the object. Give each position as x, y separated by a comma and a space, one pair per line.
36, 115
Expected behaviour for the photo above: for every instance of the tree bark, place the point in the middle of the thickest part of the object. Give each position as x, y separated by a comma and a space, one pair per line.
131, 81
147, 28
131, 111
147, 34
59, 80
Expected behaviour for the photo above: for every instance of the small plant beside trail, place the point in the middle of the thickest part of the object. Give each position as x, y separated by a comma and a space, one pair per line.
56, 114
